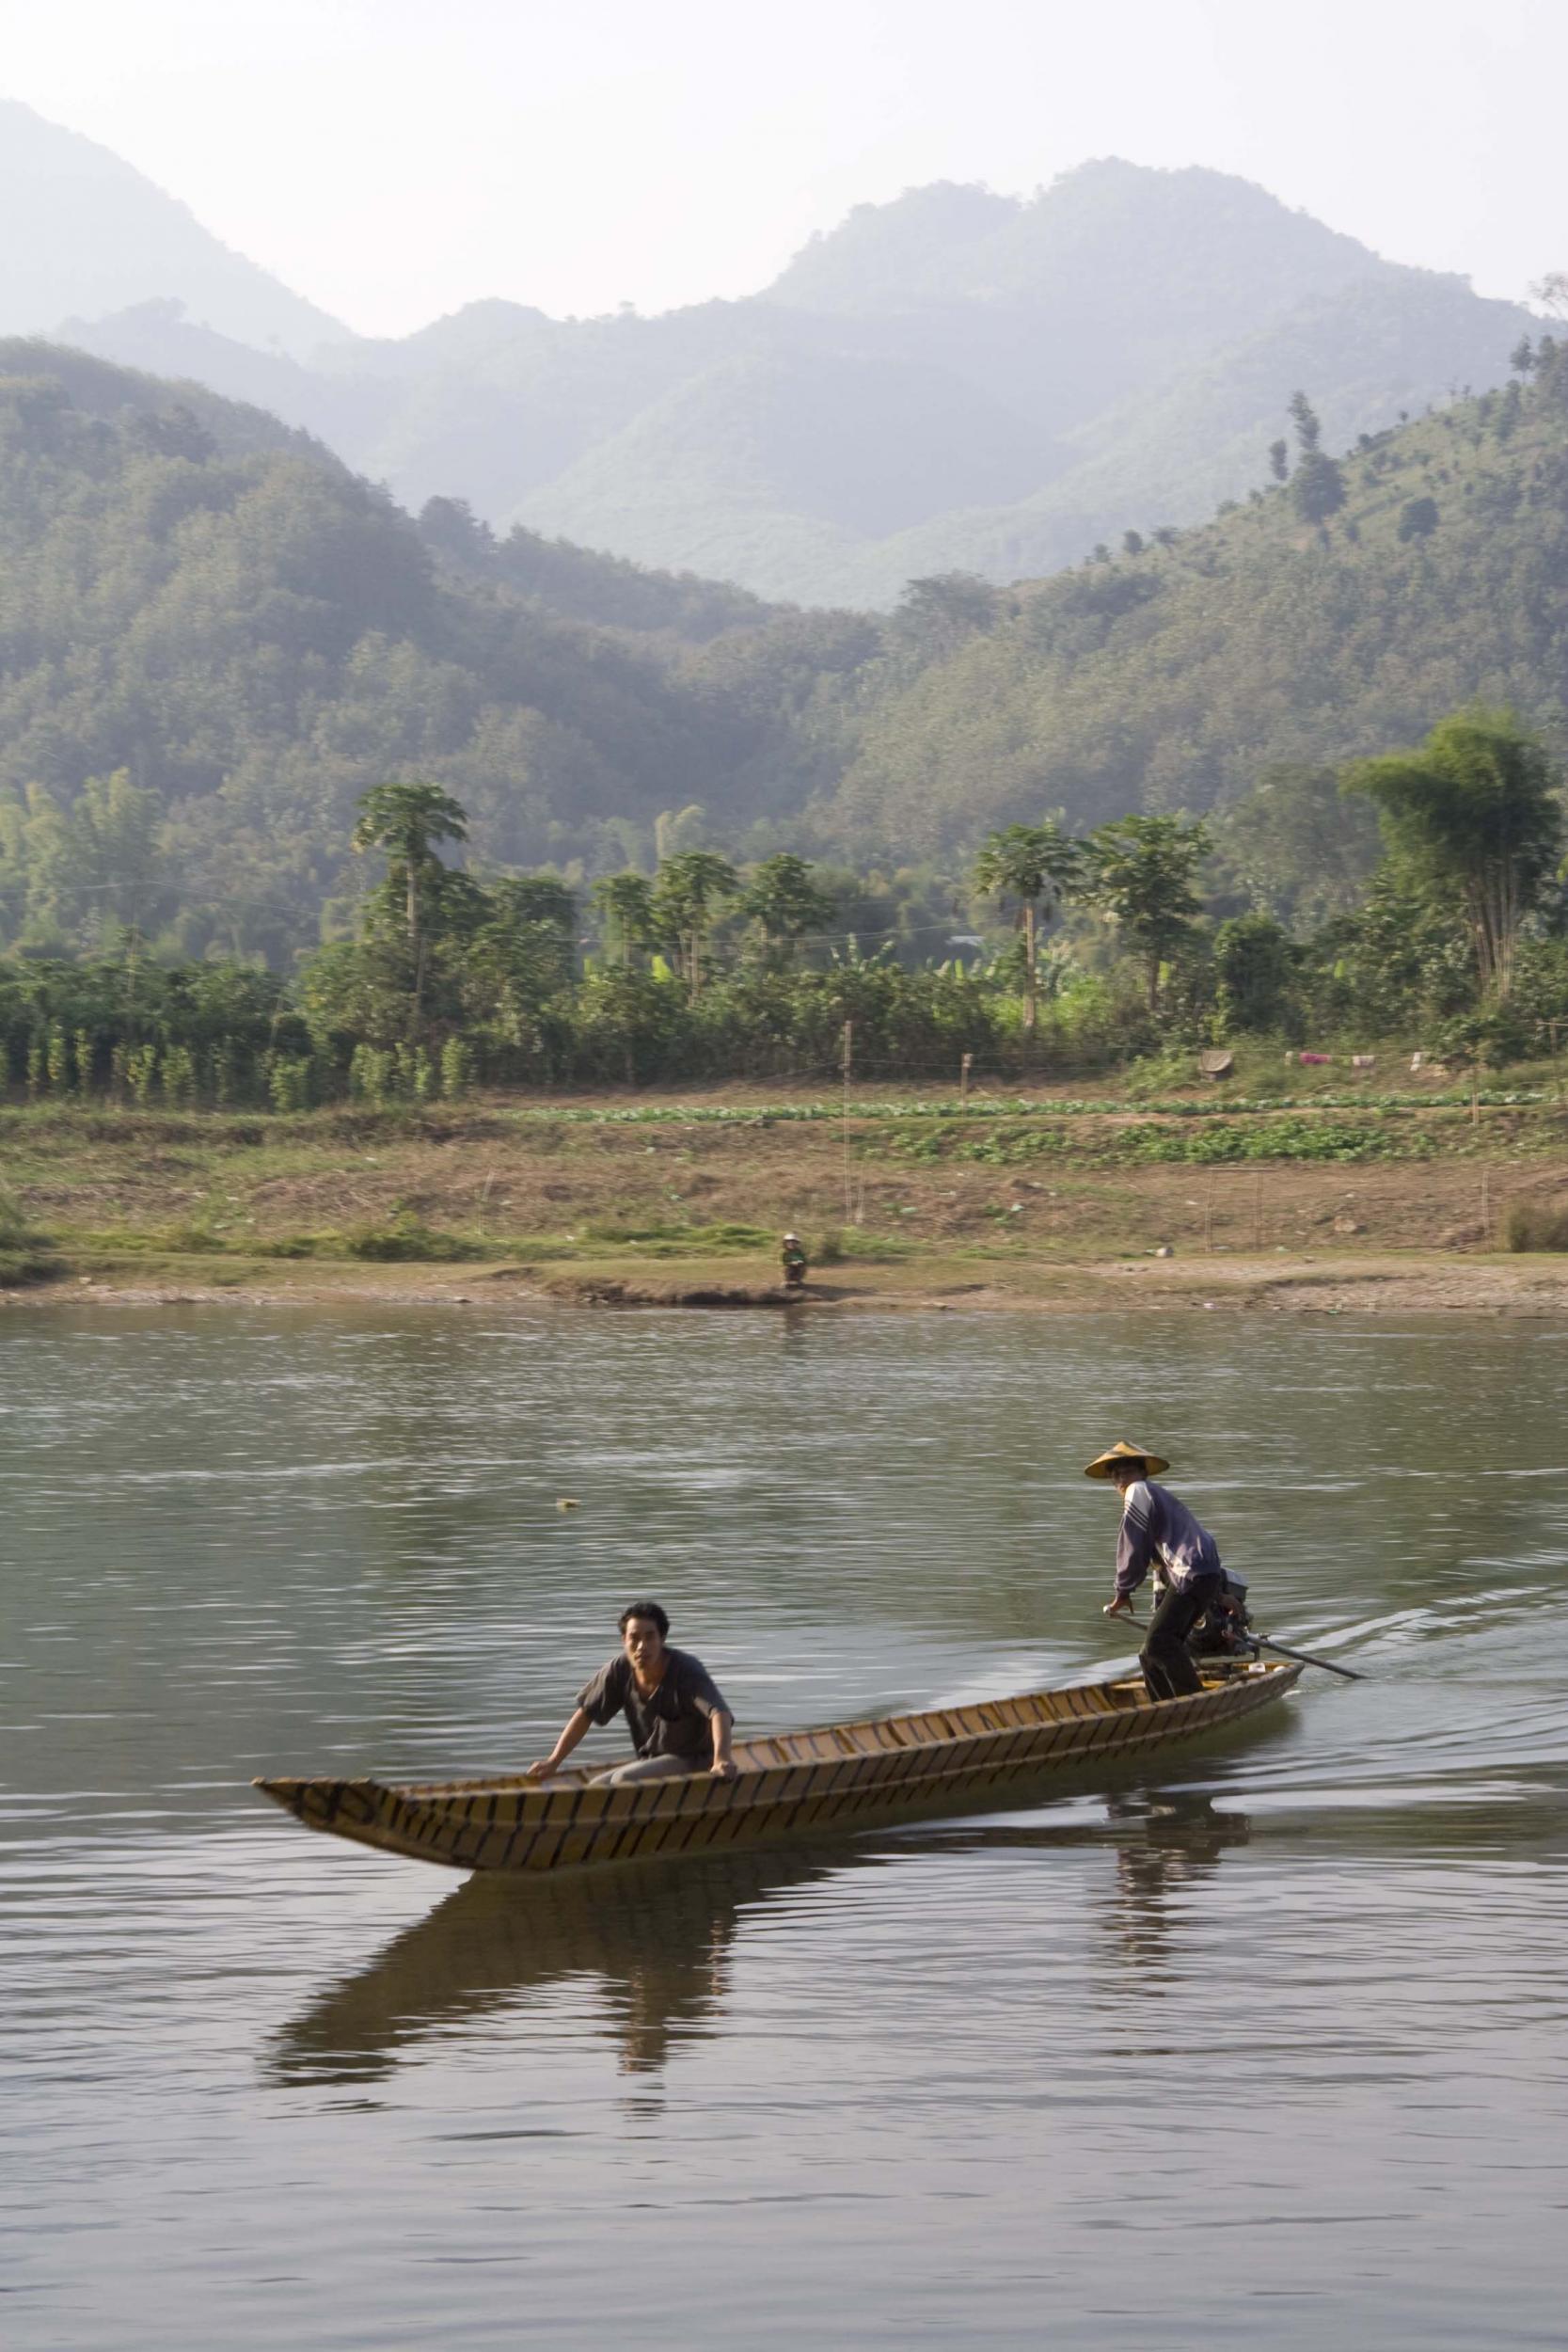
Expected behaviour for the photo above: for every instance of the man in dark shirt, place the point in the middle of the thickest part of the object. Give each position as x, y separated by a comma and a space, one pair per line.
1157, 1527
678, 1718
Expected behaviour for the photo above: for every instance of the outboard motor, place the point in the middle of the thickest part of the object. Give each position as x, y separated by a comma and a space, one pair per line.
1224, 1629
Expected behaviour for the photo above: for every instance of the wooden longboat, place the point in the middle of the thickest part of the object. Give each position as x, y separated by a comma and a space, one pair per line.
787, 1783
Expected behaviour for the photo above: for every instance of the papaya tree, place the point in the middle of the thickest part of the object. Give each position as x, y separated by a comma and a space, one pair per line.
784, 903
690, 888
1138, 875
1031, 868
623, 904
406, 821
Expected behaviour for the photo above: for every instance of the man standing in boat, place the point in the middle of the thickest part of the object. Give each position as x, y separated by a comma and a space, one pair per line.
677, 1716
1155, 1526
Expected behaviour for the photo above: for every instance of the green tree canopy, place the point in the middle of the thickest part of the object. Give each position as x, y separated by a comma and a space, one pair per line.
1475, 821
786, 902
81, 871
935, 614
1295, 846
1033, 867
1305, 418
625, 906
542, 898
520, 954
1139, 875
686, 896
406, 821
1253, 964
1318, 487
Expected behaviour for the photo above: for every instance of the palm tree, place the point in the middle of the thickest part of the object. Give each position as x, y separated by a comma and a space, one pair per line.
685, 899
406, 821
1035, 866
625, 906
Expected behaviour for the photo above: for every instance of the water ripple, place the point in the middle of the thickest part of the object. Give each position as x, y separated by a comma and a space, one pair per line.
1270, 2044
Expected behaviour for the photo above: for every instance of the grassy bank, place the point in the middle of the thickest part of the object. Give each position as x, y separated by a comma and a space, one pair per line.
693, 1191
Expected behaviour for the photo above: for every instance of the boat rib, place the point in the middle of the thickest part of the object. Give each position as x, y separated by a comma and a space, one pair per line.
786, 1783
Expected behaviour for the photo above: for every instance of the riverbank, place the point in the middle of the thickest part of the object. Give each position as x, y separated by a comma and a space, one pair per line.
1416, 1283
1057, 1203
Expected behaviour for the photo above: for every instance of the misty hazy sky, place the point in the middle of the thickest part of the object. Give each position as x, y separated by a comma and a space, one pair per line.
392, 159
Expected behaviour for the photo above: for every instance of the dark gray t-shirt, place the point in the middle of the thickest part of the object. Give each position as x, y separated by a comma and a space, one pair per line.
675, 1719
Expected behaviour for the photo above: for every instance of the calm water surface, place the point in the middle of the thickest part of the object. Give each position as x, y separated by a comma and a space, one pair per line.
1273, 2047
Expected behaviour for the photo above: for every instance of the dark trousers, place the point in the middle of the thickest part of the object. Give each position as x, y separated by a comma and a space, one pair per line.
1169, 1671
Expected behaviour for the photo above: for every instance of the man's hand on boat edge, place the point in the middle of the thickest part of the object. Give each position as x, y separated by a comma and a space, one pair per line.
723, 1768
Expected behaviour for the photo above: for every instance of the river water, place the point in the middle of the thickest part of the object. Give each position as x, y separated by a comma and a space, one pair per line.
1273, 2046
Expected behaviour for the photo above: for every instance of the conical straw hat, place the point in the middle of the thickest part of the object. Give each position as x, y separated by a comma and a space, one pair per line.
1103, 1464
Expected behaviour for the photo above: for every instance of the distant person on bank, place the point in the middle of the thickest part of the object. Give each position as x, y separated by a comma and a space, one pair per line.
1155, 1526
793, 1259
678, 1719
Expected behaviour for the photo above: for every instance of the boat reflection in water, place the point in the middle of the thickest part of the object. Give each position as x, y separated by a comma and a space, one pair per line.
1162, 1841
660, 1940
1177, 1842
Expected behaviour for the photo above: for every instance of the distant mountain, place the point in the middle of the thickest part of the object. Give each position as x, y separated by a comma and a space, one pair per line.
953, 380
1101, 278
89, 235
1370, 351
786, 466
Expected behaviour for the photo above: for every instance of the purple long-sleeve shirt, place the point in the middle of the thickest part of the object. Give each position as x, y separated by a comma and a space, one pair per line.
1155, 1526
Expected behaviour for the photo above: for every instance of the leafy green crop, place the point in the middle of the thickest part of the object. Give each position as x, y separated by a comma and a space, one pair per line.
1272, 1139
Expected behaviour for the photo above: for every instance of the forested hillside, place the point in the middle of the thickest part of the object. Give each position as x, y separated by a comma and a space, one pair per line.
212, 638
957, 380
1330, 616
